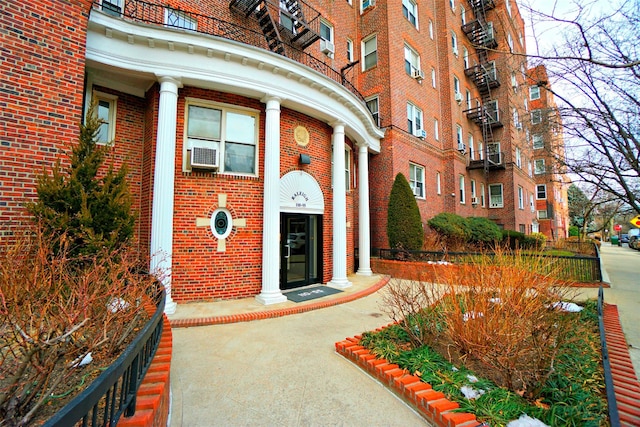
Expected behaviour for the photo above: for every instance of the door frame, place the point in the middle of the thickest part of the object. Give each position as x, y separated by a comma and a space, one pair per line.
311, 250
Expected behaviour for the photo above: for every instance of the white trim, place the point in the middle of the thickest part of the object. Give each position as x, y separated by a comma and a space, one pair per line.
301, 193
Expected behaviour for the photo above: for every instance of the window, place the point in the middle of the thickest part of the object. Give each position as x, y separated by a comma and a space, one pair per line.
454, 43
232, 133
468, 99
326, 31
526, 105
522, 228
179, 19
510, 42
514, 81
465, 57
106, 112
370, 52
473, 189
433, 77
349, 50
480, 151
482, 201
508, 7
470, 144
430, 29
530, 169
459, 137
536, 117
463, 15
287, 18
414, 119
438, 188
462, 194
539, 166
538, 142
541, 192
518, 157
347, 168
516, 118
410, 11
495, 196
456, 86
520, 198
436, 130
374, 108
416, 180
452, 3
112, 7
542, 214
531, 203
366, 4
534, 92
411, 60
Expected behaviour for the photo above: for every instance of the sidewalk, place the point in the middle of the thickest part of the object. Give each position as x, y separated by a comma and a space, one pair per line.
281, 371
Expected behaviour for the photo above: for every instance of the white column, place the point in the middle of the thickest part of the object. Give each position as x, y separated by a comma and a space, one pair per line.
364, 239
271, 210
163, 187
339, 279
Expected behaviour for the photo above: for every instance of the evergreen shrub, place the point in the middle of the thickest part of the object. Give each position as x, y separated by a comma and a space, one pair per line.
404, 224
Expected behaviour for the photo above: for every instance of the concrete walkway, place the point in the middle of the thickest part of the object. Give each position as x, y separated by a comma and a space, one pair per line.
280, 371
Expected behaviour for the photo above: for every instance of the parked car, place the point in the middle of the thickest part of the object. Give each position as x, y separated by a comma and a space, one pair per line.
624, 238
634, 238
296, 240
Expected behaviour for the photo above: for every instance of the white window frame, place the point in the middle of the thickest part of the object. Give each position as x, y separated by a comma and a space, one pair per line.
112, 7
430, 29
542, 214
436, 130
532, 203
452, 4
369, 53
541, 192
366, 4
482, 197
454, 43
411, 60
326, 24
520, 198
516, 117
470, 146
463, 15
456, 86
465, 57
220, 143
534, 92
514, 81
508, 3
109, 124
438, 184
434, 80
459, 136
414, 118
518, 157
181, 18
473, 189
536, 116
468, 96
498, 201
347, 167
538, 141
350, 50
510, 42
463, 195
410, 10
375, 114
416, 180
539, 167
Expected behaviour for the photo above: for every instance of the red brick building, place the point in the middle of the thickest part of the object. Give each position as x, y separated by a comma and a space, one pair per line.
234, 116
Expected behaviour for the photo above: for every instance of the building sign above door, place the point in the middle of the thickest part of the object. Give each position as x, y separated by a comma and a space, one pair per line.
300, 192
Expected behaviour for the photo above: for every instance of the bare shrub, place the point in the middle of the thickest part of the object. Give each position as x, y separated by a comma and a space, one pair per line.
53, 313
495, 313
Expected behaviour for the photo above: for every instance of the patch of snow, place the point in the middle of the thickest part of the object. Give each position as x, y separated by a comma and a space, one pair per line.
117, 304
526, 421
472, 378
470, 392
454, 369
471, 315
495, 300
82, 362
569, 307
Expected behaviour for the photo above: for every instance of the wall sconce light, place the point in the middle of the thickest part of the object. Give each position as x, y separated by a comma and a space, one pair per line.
305, 159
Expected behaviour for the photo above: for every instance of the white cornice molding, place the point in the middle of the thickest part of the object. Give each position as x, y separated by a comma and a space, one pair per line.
145, 51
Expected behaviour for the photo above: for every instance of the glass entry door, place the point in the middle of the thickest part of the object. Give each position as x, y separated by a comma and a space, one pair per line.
300, 241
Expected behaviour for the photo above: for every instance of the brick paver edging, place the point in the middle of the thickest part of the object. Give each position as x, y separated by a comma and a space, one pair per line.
152, 400
437, 409
268, 314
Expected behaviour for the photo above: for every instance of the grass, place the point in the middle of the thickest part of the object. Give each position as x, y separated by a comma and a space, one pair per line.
573, 395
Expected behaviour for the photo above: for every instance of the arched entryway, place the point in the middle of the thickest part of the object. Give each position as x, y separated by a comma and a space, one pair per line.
301, 210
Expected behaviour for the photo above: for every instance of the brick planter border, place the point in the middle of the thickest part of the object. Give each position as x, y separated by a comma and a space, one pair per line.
438, 410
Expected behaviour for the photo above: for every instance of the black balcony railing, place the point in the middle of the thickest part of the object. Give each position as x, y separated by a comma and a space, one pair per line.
113, 393
155, 14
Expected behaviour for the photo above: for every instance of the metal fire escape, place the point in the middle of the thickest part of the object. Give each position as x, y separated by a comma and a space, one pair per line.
282, 22
484, 74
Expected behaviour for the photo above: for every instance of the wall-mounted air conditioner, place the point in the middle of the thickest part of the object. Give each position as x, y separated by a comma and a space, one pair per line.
204, 158
462, 148
417, 192
474, 200
519, 126
327, 47
417, 74
420, 133
458, 97
367, 4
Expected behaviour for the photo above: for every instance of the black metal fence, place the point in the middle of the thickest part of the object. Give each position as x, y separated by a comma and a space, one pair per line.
577, 268
113, 393
155, 14
614, 416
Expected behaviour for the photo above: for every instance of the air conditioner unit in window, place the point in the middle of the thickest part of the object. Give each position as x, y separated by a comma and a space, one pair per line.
519, 126
417, 192
458, 97
462, 148
326, 47
204, 158
417, 74
420, 133
474, 200
367, 4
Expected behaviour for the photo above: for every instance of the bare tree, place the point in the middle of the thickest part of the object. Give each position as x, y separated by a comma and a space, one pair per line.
595, 69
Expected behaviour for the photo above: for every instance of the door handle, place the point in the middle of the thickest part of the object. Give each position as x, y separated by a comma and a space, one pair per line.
288, 251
